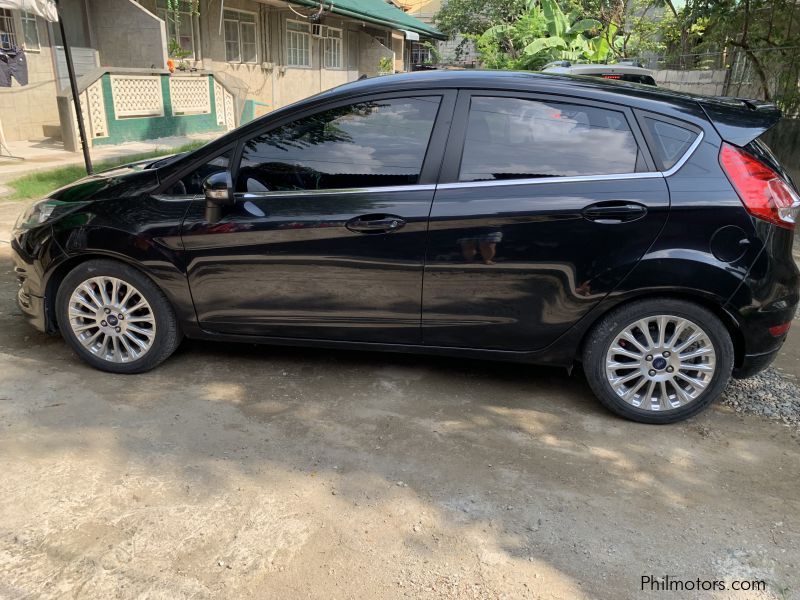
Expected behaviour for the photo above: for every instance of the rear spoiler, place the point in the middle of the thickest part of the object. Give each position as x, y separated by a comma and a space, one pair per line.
740, 120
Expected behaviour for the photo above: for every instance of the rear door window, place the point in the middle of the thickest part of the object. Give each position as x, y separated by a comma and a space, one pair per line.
670, 142
516, 138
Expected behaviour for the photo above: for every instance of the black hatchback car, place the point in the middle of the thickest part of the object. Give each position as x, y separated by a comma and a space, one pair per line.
512, 216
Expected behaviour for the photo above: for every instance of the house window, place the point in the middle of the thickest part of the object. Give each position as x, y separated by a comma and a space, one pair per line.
181, 31
420, 54
333, 49
240, 37
298, 44
8, 39
30, 31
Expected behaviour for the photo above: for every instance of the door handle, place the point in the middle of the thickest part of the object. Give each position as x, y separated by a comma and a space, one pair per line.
614, 212
375, 224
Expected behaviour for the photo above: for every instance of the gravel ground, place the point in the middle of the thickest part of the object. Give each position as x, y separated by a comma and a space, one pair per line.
769, 394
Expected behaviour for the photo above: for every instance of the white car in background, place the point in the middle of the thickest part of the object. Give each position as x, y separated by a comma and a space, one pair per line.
620, 71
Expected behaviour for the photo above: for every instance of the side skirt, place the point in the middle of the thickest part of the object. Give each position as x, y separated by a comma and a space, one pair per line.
560, 357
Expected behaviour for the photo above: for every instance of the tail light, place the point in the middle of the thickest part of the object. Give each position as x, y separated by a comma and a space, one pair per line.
764, 193
779, 330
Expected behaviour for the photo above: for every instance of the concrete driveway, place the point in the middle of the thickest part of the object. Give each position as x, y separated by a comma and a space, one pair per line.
238, 471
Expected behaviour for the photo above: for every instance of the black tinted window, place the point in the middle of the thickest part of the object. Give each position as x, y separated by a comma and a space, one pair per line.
671, 141
511, 138
374, 143
191, 184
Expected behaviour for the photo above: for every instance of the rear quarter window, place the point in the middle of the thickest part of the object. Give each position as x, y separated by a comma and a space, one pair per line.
670, 142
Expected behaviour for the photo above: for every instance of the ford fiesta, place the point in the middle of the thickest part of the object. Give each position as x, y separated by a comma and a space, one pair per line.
537, 218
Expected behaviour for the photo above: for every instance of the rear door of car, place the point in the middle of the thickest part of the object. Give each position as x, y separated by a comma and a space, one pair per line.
545, 203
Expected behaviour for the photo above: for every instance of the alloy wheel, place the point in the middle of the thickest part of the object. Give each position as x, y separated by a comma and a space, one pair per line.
112, 319
660, 363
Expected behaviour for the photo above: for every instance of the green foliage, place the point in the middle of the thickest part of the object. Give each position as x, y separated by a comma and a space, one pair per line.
436, 56
474, 17
543, 33
174, 9
175, 51
763, 34
385, 65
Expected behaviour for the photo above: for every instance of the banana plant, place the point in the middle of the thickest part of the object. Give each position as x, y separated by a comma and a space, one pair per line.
542, 34
565, 38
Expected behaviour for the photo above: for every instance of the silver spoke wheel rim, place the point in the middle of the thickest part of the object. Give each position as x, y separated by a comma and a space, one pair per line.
112, 319
660, 363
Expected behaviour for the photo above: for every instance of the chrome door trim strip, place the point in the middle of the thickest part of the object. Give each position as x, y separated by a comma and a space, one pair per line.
544, 180
428, 187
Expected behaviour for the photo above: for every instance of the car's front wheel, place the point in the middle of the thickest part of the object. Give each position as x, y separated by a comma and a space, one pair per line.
115, 317
658, 360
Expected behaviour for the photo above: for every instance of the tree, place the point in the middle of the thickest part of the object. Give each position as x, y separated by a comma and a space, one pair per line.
641, 24
767, 32
473, 17
545, 32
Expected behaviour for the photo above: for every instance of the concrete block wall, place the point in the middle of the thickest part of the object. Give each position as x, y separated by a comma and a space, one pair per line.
371, 51
26, 111
128, 35
447, 48
705, 82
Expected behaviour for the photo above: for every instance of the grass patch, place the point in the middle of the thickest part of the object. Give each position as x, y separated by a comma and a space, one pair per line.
40, 183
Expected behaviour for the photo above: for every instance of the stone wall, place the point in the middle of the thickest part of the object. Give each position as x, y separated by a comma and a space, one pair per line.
127, 35
706, 82
371, 51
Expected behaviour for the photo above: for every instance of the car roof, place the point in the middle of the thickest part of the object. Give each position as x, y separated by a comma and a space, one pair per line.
633, 94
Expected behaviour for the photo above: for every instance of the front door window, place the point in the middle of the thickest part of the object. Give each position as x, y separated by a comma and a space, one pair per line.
368, 144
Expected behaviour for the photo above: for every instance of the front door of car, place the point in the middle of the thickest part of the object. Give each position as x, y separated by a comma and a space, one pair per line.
326, 238
545, 205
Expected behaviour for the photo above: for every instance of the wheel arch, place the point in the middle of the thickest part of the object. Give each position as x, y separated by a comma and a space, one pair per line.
64, 267
688, 295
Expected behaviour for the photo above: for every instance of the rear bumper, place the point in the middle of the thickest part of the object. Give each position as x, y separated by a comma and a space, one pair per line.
766, 300
753, 364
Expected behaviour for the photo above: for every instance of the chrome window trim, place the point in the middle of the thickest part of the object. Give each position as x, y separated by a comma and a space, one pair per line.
687, 155
579, 178
544, 180
426, 187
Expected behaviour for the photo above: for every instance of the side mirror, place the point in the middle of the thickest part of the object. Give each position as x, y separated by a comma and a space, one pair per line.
218, 191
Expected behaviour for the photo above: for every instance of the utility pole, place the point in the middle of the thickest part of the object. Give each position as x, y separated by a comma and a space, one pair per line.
76, 98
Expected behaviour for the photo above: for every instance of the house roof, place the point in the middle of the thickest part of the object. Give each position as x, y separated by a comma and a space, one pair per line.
378, 12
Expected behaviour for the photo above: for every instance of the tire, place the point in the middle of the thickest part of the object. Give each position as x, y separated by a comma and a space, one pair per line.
675, 394
101, 301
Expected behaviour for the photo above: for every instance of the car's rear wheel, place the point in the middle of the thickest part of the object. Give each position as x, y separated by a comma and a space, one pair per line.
658, 360
115, 317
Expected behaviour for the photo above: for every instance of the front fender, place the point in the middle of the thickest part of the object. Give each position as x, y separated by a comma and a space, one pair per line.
151, 245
